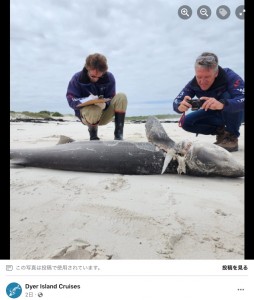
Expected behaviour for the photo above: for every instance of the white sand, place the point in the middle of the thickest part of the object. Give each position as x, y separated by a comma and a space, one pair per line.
73, 215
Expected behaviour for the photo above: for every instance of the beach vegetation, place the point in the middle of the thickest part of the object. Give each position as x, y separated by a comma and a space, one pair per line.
47, 114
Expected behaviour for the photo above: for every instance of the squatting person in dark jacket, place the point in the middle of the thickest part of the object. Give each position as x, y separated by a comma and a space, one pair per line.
95, 82
221, 92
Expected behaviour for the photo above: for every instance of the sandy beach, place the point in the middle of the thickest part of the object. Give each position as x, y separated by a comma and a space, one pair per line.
74, 215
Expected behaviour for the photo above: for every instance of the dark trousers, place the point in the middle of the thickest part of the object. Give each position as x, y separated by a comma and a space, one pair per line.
207, 122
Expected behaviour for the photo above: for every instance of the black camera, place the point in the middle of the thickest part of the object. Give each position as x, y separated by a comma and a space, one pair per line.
196, 103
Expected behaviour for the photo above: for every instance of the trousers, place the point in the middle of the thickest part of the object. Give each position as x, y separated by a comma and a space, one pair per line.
207, 122
93, 114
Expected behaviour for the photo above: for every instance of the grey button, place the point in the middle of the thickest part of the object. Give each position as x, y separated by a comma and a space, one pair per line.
204, 12
223, 12
184, 12
239, 12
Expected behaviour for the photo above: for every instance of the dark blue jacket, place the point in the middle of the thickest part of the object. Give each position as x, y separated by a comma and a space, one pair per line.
80, 87
227, 86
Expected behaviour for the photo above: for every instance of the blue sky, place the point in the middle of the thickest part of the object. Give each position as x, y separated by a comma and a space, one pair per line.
150, 49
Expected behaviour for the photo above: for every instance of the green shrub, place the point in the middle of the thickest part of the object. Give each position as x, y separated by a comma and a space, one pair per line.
56, 114
44, 112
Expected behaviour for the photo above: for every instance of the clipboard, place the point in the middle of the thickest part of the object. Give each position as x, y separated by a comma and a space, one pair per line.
90, 102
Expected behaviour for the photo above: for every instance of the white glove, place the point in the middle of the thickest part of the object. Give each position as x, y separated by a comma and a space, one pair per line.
101, 105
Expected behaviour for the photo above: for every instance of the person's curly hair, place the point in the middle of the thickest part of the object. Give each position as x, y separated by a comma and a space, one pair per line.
97, 62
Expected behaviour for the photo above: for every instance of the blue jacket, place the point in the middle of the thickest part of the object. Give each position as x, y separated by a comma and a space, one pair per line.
80, 87
228, 86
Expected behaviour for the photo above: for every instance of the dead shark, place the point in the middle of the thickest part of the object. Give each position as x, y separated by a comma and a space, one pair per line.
159, 155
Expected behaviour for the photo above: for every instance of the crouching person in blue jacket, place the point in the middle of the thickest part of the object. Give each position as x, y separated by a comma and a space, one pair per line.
92, 94
216, 97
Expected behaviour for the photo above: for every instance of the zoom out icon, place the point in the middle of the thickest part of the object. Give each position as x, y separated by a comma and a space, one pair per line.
204, 12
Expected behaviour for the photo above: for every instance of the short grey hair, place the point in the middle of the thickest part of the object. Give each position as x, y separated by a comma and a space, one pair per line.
207, 60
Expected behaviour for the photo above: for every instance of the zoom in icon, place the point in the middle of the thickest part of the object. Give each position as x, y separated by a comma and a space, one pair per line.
184, 12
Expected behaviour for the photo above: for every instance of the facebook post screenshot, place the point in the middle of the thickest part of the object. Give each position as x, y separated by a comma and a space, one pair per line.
127, 151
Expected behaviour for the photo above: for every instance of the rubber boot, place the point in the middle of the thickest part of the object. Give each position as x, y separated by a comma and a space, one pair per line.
93, 129
119, 124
